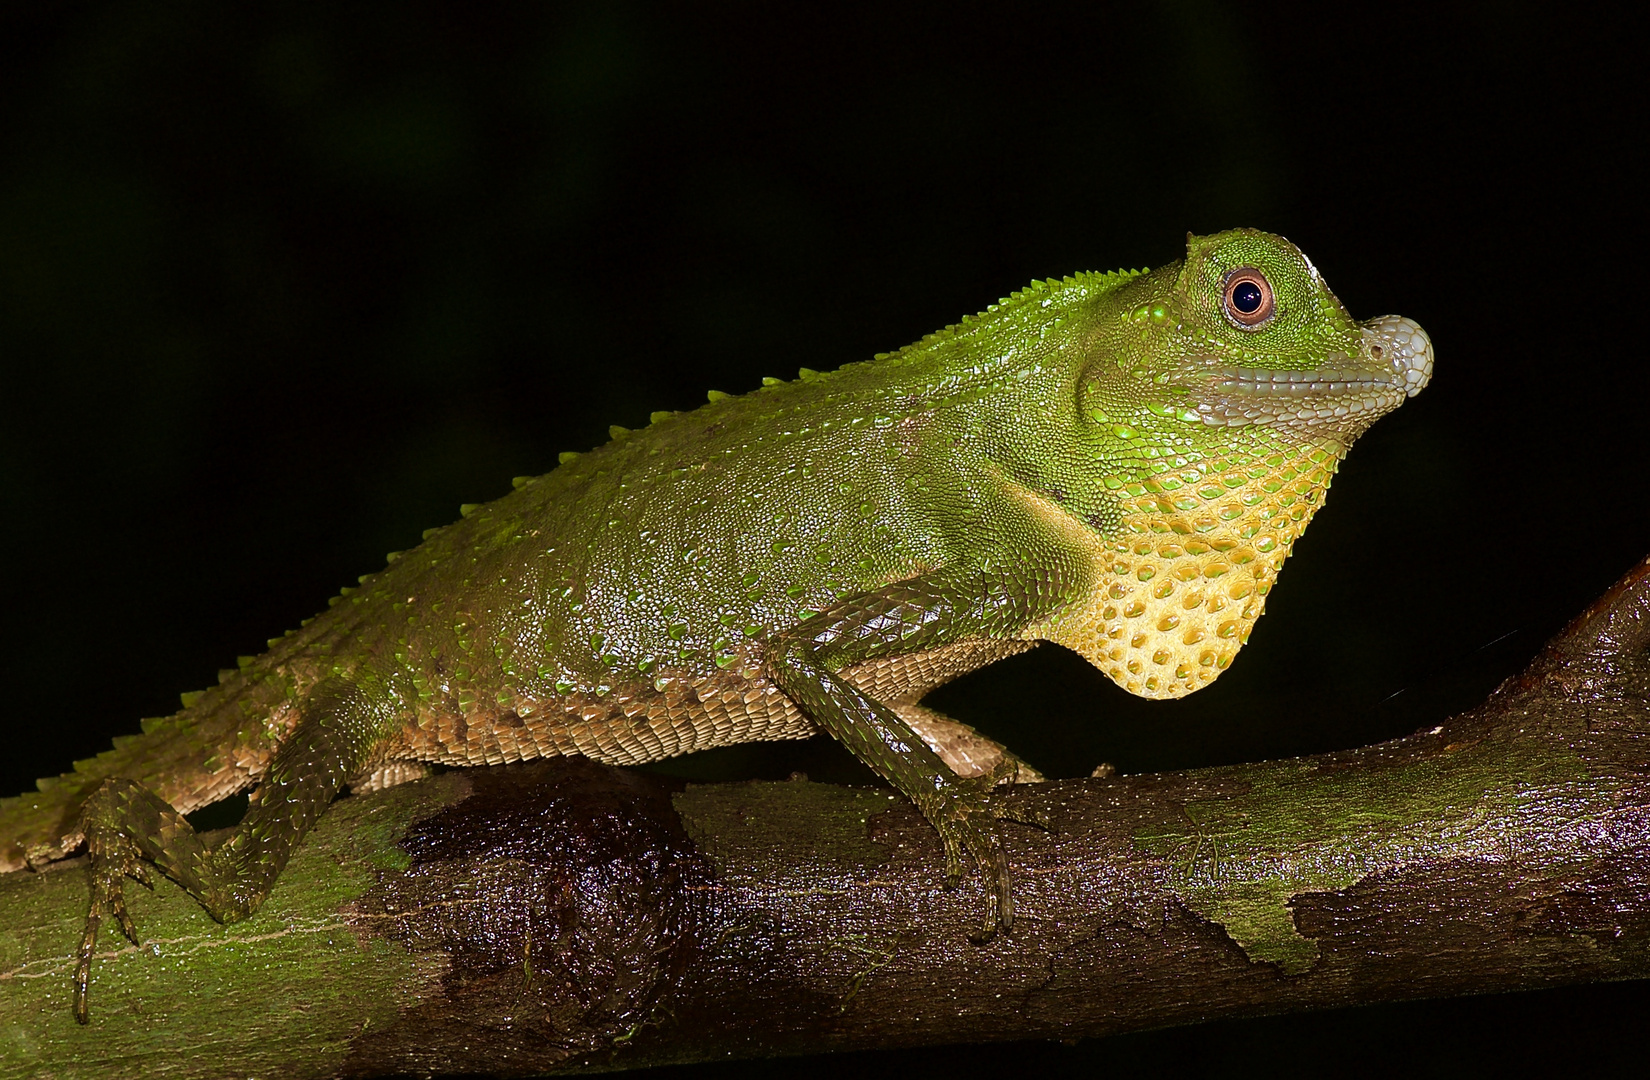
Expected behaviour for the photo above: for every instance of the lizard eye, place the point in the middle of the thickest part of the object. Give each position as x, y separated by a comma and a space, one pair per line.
1247, 298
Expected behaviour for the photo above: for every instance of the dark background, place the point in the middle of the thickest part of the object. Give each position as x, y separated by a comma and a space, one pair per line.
281, 287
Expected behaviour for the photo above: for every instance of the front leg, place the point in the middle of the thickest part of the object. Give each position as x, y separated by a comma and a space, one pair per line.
128, 827
906, 617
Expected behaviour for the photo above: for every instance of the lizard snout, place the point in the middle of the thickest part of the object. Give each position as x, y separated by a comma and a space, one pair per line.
1404, 345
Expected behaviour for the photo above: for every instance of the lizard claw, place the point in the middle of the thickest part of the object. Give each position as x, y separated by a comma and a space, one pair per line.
140, 871
83, 968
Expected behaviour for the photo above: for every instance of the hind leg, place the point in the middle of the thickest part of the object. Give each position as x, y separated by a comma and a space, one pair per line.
967, 751
128, 827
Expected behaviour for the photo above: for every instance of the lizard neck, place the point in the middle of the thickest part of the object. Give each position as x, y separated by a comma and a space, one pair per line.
1177, 587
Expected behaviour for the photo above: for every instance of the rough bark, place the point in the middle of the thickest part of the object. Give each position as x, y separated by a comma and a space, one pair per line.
565, 916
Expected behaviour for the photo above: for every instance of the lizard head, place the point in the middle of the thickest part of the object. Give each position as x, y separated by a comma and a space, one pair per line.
1245, 333
1262, 340
1220, 394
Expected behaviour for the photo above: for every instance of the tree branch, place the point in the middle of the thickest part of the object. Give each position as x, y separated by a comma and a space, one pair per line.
563, 915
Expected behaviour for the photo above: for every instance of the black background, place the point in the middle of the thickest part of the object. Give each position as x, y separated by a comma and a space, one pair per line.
281, 287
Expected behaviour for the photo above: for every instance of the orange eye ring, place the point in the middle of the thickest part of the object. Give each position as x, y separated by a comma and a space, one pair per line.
1246, 298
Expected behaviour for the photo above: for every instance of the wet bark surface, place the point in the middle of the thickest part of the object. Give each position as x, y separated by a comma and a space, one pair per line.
562, 915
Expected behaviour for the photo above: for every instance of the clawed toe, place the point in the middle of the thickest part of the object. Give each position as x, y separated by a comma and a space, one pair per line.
1022, 815
969, 825
113, 861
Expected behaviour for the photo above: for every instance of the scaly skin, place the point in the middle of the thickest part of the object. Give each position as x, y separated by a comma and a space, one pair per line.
1115, 462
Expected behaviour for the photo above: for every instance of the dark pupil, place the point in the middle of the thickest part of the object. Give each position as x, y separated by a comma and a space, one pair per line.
1246, 297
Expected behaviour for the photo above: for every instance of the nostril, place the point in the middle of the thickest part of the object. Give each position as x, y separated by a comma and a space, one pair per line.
1404, 345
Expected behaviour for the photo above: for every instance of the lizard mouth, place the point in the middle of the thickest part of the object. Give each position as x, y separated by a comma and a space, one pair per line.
1395, 362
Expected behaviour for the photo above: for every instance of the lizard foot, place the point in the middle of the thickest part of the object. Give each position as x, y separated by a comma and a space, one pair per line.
114, 858
967, 824
1011, 771
115, 821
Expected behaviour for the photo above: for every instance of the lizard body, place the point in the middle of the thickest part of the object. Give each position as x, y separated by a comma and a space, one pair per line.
1118, 463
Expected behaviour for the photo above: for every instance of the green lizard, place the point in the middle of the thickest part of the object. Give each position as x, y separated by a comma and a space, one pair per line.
1118, 463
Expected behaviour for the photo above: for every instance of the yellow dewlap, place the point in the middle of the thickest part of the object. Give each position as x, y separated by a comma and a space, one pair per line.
1177, 591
